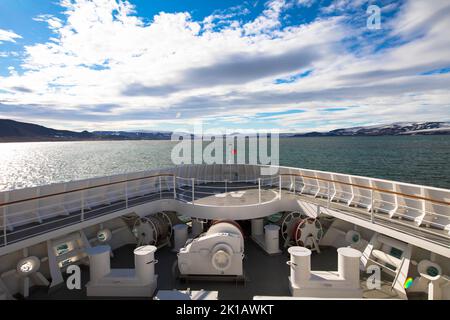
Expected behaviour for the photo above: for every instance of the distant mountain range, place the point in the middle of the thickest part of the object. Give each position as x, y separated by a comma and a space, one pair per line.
394, 129
135, 135
11, 130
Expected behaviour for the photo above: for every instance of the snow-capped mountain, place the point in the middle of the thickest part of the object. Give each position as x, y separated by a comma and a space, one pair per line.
398, 128
19, 131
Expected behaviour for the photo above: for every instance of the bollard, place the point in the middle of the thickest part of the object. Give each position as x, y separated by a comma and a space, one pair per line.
144, 263
300, 264
348, 265
99, 262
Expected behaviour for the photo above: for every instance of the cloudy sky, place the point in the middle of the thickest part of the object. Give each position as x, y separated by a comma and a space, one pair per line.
294, 65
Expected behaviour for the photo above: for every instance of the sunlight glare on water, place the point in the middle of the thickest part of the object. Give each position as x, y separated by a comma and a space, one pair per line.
417, 159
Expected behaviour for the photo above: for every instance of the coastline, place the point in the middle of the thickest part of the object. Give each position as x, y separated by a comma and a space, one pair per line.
282, 136
28, 140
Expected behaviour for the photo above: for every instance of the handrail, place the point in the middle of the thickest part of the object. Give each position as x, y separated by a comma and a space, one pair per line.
385, 201
86, 188
281, 174
276, 183
369, 188
393, 226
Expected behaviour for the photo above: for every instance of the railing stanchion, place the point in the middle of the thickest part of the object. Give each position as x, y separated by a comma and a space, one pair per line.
259, 190
174, 187
160, 188
279, 187
193, 190
329, 195
82, 205
5, 239
126, 195
294, 184
371, 206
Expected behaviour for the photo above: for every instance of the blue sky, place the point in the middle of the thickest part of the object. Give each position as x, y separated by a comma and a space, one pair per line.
290, 65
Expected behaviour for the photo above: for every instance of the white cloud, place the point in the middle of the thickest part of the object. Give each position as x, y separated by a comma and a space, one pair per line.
109, 69
8, 35
306, 3
340, 6
6, 54
53, 22
268, 20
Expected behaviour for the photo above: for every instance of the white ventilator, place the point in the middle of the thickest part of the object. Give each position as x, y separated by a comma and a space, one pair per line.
138, 282
343, 283
219, 251
353, 237
432, 281
104, 235
28, 270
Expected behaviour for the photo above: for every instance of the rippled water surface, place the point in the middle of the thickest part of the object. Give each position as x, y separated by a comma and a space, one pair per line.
421, 159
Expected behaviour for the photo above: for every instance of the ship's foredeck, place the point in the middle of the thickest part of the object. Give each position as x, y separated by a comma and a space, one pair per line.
265, 276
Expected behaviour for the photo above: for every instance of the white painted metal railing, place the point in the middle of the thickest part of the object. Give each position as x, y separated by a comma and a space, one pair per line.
28, 212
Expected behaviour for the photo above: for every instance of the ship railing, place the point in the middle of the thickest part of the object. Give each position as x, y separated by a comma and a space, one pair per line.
401, 210
376, 202
361, 197
25, 218
375, 199
191, 189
